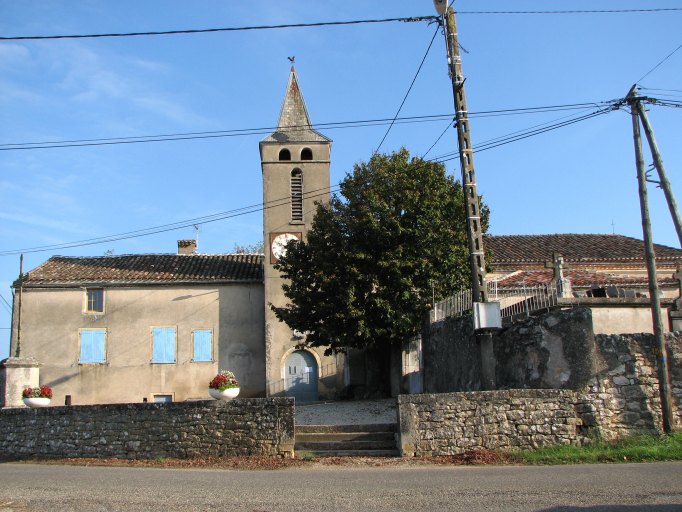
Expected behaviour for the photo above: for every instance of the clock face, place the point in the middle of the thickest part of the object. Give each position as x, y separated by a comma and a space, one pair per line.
278, 242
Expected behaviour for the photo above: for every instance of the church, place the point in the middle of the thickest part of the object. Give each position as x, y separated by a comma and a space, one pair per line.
158, 327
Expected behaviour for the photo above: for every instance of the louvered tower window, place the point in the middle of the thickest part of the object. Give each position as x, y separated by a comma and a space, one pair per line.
296, 195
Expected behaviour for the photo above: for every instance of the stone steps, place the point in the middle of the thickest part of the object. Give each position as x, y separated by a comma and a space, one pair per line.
373, 440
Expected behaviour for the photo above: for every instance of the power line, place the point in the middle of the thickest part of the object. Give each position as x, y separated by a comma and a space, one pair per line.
323, 24
439, 137
583, 11
526, 133
225, 29
659, 64
237, 212
5, 304
210, 134
421, 64
16, 146
287, 200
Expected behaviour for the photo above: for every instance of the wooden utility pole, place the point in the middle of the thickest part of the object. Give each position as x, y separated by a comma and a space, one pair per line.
662, 175
479, 290
662, 349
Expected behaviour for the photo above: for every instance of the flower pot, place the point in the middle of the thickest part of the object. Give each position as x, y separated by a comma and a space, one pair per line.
226, 394
34, 402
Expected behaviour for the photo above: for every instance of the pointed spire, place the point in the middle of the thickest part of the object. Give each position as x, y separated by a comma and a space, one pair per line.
294, 123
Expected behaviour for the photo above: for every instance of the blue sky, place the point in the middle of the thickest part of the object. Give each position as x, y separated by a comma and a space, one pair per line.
579, 179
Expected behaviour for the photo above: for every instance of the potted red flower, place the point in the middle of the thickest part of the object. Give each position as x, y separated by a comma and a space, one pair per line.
37, 397
224, 386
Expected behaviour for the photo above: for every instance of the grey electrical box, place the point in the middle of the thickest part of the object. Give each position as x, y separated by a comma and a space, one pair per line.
487, 315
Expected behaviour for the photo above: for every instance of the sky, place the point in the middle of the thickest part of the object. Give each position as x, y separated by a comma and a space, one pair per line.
576, 179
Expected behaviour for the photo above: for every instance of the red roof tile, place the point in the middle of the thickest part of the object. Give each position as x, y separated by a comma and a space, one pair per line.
598, 249
147, 268
578, 279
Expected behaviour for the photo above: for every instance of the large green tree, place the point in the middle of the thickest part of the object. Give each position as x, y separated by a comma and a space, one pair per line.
375, 259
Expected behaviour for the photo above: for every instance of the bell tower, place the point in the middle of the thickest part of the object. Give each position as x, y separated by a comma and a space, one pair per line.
295, 164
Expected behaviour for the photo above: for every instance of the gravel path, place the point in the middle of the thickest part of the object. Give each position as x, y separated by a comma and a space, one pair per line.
359, 412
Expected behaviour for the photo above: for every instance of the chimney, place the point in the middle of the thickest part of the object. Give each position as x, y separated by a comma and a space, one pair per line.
187, 246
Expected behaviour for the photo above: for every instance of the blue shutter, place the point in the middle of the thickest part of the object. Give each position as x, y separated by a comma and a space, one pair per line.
92, 346
203, 345
163, 345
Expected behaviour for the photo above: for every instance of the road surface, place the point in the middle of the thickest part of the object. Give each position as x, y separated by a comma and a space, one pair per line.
618, 487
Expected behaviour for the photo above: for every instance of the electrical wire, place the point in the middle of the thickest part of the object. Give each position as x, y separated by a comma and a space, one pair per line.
173, 226
323, 24
524, 134
439, 137
659, 64
583, 11
5, 304
267, 130
287, 200
421, 64
225, 29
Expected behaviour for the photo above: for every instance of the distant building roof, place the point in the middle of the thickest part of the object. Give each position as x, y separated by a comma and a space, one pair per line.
534, 250
294, 123
147, 269
578, 279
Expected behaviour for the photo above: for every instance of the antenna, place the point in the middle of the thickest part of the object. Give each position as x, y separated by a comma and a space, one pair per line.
196, 237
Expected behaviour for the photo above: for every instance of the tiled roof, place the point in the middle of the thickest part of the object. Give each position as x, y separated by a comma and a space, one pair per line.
578, 279
147, 269
536, 249
294, 123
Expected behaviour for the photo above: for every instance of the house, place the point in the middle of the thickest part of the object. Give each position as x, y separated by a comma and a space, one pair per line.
158, 327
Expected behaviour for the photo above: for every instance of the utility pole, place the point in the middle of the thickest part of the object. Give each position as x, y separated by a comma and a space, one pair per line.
662, 175
479, 291
662, 349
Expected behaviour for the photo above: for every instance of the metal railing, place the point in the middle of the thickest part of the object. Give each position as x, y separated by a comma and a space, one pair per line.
528, 299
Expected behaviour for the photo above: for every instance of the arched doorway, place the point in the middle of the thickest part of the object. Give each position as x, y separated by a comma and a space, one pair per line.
300, 375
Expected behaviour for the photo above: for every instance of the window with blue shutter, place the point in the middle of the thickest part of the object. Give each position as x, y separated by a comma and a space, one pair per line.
92, 343
203, 344
163, 344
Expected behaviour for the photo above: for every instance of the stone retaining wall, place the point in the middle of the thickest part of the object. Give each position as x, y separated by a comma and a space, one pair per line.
623, 397
452, 423
255, 426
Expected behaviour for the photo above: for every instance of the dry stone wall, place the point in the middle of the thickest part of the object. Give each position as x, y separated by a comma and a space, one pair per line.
255, 426
623, 397
453, 423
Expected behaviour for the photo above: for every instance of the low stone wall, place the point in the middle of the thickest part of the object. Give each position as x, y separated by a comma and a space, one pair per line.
453, 423
255, 426
623, 397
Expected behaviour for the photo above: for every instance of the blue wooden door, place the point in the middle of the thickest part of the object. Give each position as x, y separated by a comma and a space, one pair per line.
301, 376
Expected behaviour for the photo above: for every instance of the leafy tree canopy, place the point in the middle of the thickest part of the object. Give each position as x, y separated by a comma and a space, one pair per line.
373, 262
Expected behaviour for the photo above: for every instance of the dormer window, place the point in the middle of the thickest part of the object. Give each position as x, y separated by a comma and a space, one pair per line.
285, 155
306, 154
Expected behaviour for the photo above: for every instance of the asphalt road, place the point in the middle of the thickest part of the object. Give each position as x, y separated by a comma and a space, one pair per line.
621, 487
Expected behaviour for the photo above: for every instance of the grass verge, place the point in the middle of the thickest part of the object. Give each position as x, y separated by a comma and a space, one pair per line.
638, 448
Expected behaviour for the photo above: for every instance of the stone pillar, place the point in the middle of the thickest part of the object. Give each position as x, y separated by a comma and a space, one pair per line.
16, 374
